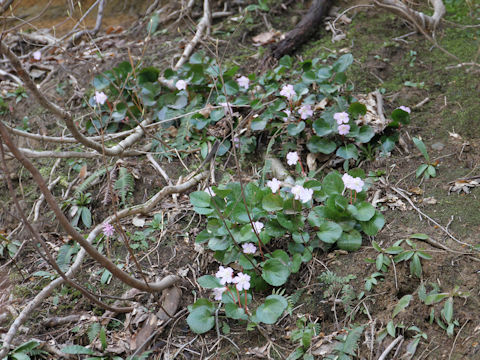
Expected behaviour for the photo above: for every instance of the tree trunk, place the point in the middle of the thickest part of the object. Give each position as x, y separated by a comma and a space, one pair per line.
304, 29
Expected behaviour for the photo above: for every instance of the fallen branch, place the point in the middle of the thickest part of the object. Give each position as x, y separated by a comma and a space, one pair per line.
98, 23
390, 347
309, 24
203, 26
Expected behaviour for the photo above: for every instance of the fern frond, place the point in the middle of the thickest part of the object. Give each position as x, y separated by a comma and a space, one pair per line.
124, 184
89, 180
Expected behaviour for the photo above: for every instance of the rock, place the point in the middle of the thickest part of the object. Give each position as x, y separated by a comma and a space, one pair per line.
438, 146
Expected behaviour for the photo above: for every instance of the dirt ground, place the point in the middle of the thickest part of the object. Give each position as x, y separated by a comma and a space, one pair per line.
445, 113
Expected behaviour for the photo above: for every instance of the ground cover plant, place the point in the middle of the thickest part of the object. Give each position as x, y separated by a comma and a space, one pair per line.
200, 182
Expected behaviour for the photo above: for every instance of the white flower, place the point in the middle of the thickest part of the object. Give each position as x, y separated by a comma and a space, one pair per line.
37, 55
405, 108
100, 97
181, 85
243, 81
258, 226
302, 194
209, 191
288, 112
288, 92
341, 118
227, 107
343, 129
292, 158
225, 275
305, 111
249, 248
274, 184
355, 184
218, 292
242, 281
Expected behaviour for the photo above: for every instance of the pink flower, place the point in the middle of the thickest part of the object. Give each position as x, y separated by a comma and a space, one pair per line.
242, 281
274, 185
108, 229
405, 108
341, 118
258, 226
343, 129
288, 91
37, 55
100, 97
249, 248
181, 85
218, 292
243, 81
288, 112
225, 275
302, 194
292, 158
305, 111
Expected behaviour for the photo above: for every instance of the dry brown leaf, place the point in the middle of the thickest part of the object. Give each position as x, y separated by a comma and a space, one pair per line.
265, 38
463, 186
429, 201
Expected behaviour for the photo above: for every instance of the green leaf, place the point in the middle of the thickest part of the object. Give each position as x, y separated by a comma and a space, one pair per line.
294, 129
350, 241
209, 282
296, 354
100, 82
349, 151
231, 87
421, 169
201, 317
318, 144
324, 74
374, 225
419, 236
286, 61
365, 134
333, 184
322, 128
421, 146
357, 109
391, 328
86, 216
148, 74
275, 272
271, 309
416, 266
329, 232
402, 305
77, 350
379, 262
431, 171
234, 312
401, 116
219, 244
364, 211
343, 63
200, 199
272, 202
447, 311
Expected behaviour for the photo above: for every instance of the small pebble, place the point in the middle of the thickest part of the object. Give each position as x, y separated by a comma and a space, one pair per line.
438, 146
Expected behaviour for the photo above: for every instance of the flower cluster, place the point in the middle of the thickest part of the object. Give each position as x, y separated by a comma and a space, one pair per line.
249, 248
292, 158
302, 194
244, 82
342, 120
108, 229
274, 185
355, 184
258, 226
100, 97
225, 275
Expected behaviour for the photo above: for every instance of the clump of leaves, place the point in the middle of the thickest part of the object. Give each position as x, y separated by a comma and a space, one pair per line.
428, 169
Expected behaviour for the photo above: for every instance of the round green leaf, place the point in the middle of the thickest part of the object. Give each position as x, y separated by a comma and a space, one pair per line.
295, 129
209, 282
322, 128
275, 272
333, 184
200, 199
343, 63
357, 109
271, 309
316, 216
234, 312
365, 134
318, 144
350, 241
373, 226
218, 244
329, 232
347, 152
365, 211
201, 320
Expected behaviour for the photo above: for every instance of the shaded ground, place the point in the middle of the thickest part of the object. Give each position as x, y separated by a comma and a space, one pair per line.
381, 62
